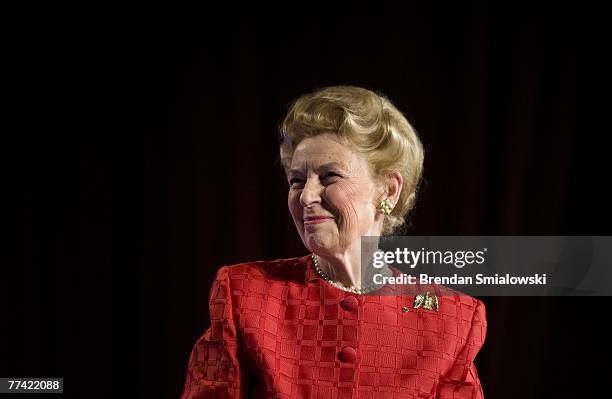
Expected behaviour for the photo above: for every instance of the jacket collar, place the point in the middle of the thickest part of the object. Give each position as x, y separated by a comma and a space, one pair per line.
310, 273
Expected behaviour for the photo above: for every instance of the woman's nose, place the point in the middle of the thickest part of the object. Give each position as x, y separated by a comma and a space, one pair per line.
311, 193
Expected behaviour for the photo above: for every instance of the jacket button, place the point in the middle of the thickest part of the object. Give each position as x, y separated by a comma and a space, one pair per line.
350, 303
348, 354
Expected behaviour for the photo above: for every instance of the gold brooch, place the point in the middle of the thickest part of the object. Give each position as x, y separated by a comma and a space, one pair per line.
429, 302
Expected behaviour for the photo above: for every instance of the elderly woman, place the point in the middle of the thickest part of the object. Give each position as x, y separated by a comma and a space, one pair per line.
315, 326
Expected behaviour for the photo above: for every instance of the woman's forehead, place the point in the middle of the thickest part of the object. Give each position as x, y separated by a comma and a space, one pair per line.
317, 166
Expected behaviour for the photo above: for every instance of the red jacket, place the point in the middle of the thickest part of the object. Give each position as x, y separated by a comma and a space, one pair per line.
278, 330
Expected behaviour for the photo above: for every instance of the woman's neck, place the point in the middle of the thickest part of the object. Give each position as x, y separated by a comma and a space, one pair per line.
346, 268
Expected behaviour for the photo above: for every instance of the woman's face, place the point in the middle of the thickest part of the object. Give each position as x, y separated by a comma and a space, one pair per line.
332, 195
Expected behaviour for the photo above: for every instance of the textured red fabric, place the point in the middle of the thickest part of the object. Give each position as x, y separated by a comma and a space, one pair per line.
280, 331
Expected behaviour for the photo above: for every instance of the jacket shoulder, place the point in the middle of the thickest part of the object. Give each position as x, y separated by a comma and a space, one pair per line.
277, 269
471, 307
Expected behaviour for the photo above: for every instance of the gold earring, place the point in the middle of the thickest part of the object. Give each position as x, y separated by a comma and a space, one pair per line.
385, 207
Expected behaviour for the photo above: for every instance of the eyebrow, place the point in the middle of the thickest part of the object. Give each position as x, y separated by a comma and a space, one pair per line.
329, 165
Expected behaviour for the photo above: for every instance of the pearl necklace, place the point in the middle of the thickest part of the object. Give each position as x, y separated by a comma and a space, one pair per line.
355, 290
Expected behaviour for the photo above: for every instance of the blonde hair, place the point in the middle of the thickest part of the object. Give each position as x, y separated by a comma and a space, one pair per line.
372, 124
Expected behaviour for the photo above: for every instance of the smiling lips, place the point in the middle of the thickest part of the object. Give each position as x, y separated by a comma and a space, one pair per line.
316, 219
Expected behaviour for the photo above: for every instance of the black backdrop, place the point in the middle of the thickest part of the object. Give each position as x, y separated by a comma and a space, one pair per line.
142, 159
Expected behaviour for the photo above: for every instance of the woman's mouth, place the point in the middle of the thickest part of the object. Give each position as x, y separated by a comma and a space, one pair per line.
316, 219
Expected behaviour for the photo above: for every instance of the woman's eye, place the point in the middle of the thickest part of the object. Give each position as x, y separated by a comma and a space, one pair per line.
296, 182
331, 175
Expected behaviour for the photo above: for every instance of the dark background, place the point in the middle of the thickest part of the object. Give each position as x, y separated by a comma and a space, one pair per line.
143, 156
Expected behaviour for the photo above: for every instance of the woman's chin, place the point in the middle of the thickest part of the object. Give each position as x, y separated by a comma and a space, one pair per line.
320, 245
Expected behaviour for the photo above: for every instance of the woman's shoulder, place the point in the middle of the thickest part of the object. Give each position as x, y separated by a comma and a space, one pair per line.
283, 269
469, 306
463, 305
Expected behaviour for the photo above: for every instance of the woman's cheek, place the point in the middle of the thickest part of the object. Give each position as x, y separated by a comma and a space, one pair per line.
294, 205
343, 197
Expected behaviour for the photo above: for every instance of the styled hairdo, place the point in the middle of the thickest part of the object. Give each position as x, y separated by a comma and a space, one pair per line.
372, 124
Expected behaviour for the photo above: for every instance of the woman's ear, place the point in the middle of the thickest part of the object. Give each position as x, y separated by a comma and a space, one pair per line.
393, 185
